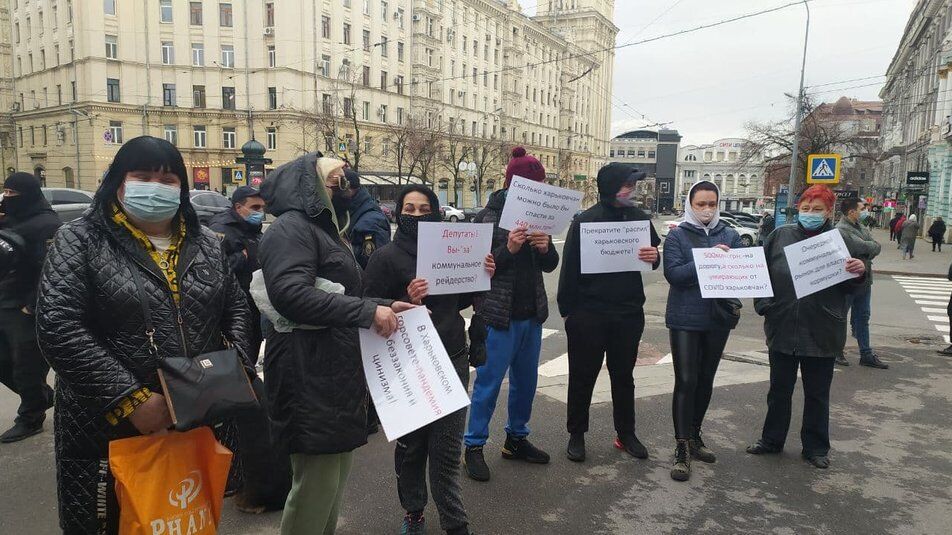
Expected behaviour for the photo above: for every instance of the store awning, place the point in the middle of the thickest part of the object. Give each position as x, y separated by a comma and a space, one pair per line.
387, 180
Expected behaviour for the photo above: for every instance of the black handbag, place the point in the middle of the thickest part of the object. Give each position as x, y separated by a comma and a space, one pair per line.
725, 311
199, 391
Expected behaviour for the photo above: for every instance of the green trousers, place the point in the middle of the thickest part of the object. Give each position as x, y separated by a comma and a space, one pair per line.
316, 493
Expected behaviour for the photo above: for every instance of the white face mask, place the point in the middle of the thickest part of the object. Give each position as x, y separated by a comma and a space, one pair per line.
705, 216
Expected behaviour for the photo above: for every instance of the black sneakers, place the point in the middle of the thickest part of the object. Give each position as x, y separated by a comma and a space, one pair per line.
20, 431
681, 471
841, 360
576, 448
818, 461
759, 448
522, 450
872, 361
475, 464
632, 446
413, 524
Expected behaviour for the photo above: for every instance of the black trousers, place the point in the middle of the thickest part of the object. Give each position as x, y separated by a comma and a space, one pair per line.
817, 376
696, 356
593, 338
22, 367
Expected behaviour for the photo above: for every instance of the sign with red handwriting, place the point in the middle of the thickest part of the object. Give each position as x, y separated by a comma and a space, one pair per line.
740, 273
410, 376
538, 206
452, 257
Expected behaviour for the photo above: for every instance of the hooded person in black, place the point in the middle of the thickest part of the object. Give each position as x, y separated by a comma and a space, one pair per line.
604, 316
30, 223
391, 274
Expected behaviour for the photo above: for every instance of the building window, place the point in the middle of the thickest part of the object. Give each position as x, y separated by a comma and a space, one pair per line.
383, 80
269, 14
43, 130
16, 31
366, 76
399, 51
345, 69
651, 154
109, 7
400, 17
225, 18
112, 47
73, 90
366, 111
400, 116
366, 37
168, 94
326, 105
384, 52
325, 27
641, 153
42, 59
348, 107
165, 11
383, 113
198, 55
229, 138
112, 89
346, 33
398, 82
272, 57
195, 13
115, 130
59, 95
272, 135
228, 98
228, 56
198, 96
200, 137
384, 10
325, 65
272, 98
171, 134
429, 56
366, 7
168, 53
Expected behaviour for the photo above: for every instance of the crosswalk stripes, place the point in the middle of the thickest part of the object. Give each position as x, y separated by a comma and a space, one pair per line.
932, 296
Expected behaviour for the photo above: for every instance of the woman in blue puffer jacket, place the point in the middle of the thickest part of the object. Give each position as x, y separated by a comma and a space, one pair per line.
697, 338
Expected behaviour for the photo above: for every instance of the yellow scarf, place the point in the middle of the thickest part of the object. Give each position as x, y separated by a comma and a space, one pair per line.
167, 260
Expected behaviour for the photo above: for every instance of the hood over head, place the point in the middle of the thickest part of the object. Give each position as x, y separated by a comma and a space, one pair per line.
30, 200
691, 218
297, 187
912, 218
613, 176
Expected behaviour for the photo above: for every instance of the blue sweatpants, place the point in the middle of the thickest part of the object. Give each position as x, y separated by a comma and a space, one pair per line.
516, 351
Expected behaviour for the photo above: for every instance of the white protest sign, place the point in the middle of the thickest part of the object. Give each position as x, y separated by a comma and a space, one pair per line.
410, 377
539, 206
613, 247
817, 263
740, 273
452, 256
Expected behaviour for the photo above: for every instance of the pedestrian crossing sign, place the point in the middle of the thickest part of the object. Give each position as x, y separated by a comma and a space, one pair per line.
823, 169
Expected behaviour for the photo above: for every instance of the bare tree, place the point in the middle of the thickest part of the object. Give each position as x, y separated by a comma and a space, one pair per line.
488, 156
337, 119
407, 147
453, 151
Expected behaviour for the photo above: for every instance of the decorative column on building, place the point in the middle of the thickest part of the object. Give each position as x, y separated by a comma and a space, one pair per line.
254, 161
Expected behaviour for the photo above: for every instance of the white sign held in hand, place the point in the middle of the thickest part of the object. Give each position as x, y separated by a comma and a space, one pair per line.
410, 377
817, 263
452, 257
538, 206
740, 273
613, 247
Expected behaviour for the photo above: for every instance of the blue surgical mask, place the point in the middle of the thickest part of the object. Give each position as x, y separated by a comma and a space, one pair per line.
255, 218
811, 221
150, 201
863, 215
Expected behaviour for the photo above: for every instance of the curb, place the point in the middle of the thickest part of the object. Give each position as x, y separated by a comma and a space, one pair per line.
909, 274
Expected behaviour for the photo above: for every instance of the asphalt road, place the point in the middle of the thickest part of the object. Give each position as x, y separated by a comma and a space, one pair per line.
891, 471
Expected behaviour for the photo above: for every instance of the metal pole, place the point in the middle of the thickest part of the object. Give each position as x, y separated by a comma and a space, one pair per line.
795, 153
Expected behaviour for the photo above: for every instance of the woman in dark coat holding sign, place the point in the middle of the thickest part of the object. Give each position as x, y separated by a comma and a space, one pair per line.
697, 336
604, 316
391, 274
806, 333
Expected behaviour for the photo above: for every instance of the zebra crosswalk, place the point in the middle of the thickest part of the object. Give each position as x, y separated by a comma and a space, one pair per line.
932, 297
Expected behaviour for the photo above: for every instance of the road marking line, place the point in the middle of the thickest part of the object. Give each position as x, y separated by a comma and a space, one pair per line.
939, 319
933, 303
942, 328
921, 296
556, 367
934, 310
666, 359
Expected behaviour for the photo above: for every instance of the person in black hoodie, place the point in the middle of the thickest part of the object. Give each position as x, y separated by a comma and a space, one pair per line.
30, 223
391, 274
604, 316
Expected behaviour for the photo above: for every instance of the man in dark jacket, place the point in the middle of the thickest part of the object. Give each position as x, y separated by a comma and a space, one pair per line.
514, 310
604, 316
892, 226
29, 223
767, 225
369, 228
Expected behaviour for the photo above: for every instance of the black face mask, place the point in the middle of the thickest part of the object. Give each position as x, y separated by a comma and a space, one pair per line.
410, 224
341, 201
12, 205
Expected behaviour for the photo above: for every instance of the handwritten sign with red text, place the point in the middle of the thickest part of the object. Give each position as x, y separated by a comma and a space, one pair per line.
739, 273
452, 257
538, 206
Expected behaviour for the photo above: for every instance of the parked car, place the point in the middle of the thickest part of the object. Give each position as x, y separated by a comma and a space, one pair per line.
207, 203
452, 214
748, 236
742, 221
70, 211
389, 209
57, 196
470, 213
744, 216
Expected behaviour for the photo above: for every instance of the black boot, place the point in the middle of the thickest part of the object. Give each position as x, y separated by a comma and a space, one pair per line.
21, 431
681, 471
576, 449
872, 361
632, 446
520, 449
699, 451
841, 360
475, 464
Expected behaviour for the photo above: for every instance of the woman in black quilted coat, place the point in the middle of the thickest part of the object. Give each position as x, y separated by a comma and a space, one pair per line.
90, 322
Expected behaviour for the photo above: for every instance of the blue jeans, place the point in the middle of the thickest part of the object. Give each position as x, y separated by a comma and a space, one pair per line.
859, 320
515, 351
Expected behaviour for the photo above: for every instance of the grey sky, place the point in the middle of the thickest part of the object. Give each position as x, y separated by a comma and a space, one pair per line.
709, 83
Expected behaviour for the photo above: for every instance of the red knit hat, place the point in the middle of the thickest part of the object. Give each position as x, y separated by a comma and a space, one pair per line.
523, 165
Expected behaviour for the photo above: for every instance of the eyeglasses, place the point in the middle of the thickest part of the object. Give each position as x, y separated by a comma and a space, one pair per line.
341, 182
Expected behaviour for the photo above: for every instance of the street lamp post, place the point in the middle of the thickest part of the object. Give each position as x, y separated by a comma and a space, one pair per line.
794, 155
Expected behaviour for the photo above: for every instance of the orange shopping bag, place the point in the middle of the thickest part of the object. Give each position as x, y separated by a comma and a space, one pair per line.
170, 484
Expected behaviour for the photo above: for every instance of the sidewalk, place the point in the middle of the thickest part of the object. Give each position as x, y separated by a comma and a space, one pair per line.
925, 264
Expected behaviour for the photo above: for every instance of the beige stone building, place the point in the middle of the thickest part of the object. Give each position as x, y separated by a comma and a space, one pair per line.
376, 81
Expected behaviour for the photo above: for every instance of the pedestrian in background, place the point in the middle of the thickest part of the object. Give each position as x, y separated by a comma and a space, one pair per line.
803, 334
862, 245
698, 331
604, 316
314, 377
369, 227
908, 235
514, 311
391, 274
937, 233
767, 225
898, 230
27, 225
92, 325
892, 226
